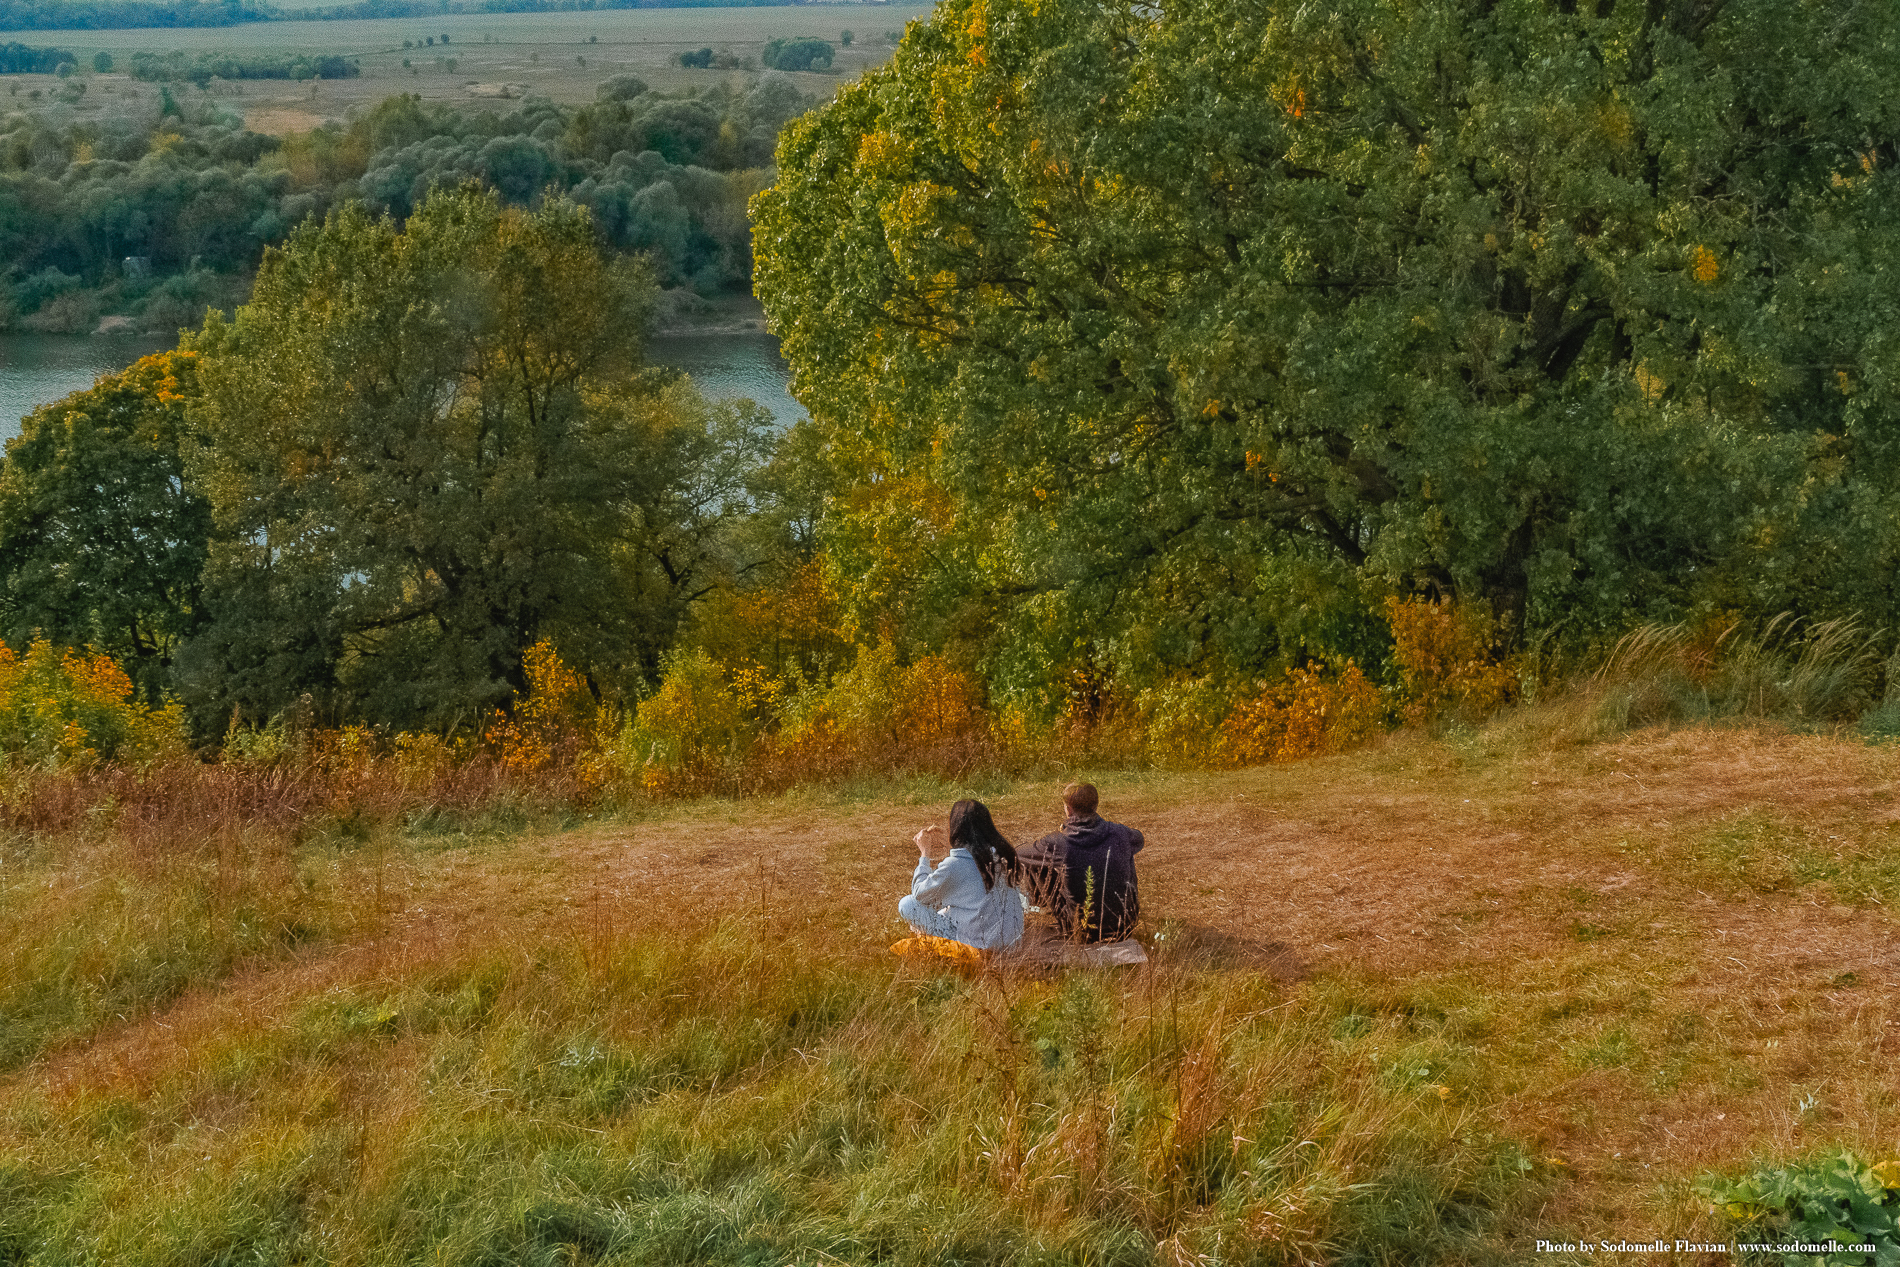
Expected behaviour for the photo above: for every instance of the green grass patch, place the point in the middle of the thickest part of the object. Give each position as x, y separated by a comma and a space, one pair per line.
717, 1099
1762, 853
81, 953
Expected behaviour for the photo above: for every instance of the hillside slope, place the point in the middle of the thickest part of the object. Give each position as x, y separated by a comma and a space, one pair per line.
1552, 984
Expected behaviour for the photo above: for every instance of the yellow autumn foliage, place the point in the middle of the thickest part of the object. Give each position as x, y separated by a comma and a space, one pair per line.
59, 706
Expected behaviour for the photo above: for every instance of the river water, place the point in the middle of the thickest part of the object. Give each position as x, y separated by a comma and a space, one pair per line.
38, 368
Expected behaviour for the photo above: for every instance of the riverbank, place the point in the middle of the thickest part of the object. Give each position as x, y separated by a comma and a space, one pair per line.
163, 306
136, 305
683, 313
721, 342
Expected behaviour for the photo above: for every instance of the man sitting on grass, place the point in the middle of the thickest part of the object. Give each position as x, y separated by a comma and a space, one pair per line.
1085, 872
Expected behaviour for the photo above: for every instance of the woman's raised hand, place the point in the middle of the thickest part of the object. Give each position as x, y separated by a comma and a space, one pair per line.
923, 839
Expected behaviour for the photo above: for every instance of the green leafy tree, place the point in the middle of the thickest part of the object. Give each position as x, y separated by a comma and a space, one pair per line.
428, 448
101, 542
1173, 334
23, 59
803, 52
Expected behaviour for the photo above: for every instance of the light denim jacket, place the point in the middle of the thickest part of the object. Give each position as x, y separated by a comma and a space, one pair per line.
986, 918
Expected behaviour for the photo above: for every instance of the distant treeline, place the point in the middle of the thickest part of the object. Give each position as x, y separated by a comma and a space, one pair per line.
188, 195
19, 59
98, 15
176, 67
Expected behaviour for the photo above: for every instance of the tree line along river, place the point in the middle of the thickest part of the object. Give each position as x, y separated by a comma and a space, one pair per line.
38, 368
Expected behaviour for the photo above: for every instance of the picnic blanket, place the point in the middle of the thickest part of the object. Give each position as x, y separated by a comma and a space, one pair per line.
1039, 947
1059, 952
923, 947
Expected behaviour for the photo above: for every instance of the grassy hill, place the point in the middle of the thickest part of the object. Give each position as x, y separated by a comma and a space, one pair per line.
1426, 1003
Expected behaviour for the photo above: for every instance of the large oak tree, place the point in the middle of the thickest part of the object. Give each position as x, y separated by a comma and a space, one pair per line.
1152, 333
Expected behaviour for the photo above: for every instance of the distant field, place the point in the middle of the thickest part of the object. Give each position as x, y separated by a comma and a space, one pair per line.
547, 54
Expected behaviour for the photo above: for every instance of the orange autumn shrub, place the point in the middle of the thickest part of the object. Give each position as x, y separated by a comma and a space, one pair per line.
936, 702
1309, 714
555, 716
60, 706
1446, 659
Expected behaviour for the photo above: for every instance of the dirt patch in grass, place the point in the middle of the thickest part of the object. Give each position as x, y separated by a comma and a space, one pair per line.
1644, 1010
277, 121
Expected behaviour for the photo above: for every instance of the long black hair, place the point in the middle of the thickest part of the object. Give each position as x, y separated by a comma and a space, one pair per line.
972, 828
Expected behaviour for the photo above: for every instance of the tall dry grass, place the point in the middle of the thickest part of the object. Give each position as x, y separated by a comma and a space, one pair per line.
122, 887
1804, 674
223, 848
591, 1100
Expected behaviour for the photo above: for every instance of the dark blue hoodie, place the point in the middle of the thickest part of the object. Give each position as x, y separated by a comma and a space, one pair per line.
1097, 861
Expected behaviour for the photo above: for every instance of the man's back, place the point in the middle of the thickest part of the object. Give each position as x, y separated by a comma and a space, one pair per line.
1097, 861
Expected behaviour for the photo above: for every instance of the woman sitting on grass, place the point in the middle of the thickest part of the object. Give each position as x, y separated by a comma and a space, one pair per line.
971, 895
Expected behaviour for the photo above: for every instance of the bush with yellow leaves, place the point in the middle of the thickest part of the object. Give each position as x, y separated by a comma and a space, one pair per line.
1447, 662
740, 727
1182, 720
695, 715
1308, 714
881, 706
554, 719
60, 706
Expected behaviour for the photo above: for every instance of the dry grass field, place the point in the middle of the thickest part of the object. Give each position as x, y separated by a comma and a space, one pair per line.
1424, 1003
545, 54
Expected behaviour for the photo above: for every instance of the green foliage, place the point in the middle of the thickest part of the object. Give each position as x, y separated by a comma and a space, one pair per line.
665, 175
1841, 1199
195, 194
202, 68
621, 88
23, 59
426, 450
1116, 323
801, 53
77, 198
61, 15
101, 543
698, 59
